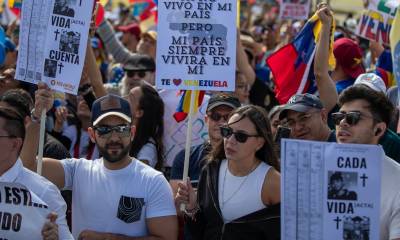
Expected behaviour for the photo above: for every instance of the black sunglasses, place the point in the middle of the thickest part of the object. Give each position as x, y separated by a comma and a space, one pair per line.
227, 132
351, 118
106, 131
132, 73
216, 116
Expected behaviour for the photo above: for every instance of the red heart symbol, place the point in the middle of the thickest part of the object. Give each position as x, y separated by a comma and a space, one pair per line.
177, 82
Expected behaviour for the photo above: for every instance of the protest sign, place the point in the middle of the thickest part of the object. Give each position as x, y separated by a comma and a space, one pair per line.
175, 132
196, 47
53, 42
22, 213
330, 191
376, 22
294, 9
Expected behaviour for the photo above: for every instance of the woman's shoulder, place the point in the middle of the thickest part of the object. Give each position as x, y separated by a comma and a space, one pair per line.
271, 190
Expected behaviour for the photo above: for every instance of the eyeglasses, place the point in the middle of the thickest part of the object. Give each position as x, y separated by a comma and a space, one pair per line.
352, 118
132, 73
106, 131
303, 119
241, 137
216, 117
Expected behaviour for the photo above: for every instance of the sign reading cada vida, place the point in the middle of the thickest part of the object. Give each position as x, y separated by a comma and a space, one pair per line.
330, 191
53, 40
196, 47
22, 213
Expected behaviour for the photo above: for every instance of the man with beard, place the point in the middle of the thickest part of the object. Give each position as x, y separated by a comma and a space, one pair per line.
116, 196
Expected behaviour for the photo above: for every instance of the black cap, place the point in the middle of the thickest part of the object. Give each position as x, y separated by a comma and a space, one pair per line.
110, 105
223, 99
301, 103
140, 62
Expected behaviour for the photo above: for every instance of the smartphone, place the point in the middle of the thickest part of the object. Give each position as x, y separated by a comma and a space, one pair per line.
282, 132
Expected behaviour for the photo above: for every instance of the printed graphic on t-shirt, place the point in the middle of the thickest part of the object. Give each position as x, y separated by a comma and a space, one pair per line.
130, 209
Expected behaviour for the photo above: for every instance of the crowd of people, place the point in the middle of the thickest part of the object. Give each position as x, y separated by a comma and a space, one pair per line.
105, 172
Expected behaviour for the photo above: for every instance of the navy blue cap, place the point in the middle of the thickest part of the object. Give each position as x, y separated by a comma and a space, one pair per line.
223, 99
301, 103
110, 105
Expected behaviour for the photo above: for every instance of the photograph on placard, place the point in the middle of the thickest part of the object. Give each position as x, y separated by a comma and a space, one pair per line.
340, 184
63, 7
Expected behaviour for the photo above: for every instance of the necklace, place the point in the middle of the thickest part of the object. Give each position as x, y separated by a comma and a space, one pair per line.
223, 202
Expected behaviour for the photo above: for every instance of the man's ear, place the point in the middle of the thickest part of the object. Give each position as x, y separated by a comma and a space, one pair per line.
92, 134
380, 129
324, 115
133, 131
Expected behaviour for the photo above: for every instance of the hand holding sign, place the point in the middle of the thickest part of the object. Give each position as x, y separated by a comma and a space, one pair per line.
43, 99
50, 229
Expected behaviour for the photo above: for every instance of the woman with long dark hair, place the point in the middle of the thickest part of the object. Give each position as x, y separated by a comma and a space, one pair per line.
147, 111
239, 189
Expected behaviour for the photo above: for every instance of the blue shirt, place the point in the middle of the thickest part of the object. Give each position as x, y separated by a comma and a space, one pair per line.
342, 85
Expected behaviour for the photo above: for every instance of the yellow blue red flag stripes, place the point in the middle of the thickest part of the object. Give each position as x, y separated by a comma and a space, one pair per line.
395, 46
291, 64
183, 108
15, 3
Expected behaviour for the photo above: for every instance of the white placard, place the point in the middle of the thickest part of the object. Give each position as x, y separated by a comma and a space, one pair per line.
22, 213
376, 22
53, 42
294, 9
196, 47
330, 191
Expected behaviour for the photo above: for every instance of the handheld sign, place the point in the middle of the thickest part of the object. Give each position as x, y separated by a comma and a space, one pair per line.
376, 22
196, 47
53, 42
296, 10
22, 213
330, 191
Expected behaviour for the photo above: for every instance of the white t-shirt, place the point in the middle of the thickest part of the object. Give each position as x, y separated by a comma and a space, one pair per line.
149, 153
390, 200
45, 190
116, 201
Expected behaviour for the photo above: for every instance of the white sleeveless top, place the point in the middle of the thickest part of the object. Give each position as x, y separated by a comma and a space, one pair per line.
239, 196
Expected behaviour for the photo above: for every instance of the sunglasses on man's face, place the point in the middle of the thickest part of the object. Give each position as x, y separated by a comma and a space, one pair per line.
106, 131
351, 118
216, 117
241, 137
132, 73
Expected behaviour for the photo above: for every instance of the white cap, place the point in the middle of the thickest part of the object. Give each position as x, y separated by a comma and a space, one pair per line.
373, 81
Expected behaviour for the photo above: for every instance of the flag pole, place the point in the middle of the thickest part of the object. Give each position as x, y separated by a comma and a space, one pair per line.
41, 142
188, 141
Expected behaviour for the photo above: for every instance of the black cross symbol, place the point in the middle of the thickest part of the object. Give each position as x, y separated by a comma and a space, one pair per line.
364, 177
56, 32
60, 65
337, 220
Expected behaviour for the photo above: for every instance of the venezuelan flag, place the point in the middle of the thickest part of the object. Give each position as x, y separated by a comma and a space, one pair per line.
291, 64
395, 47
183, 108
384, 68
15, 3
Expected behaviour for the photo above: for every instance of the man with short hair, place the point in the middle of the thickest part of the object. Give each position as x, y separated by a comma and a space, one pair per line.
363, 118
12, 134
307, 118
130, 36
116, 196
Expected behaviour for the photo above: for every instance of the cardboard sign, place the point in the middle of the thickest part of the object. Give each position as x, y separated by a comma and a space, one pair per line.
22, 213
330, 191
376, 22
53, 42
294, 9
196, 47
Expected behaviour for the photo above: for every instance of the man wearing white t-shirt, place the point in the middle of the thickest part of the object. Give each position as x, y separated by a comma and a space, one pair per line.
363, 118
12, 133
116, 196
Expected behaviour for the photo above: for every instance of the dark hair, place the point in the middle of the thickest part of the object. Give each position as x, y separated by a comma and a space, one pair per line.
18, 99
336, 176
379, 105
259, 117
14, 122
151, 124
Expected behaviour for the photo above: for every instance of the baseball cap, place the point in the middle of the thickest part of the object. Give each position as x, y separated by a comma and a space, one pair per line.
223, 99
373, 81
349, 56
301, 103
131, 28
140, 62
110, 105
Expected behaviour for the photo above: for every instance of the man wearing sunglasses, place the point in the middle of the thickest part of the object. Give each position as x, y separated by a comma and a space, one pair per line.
139, 68
116, 196
363, 118
307, 118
